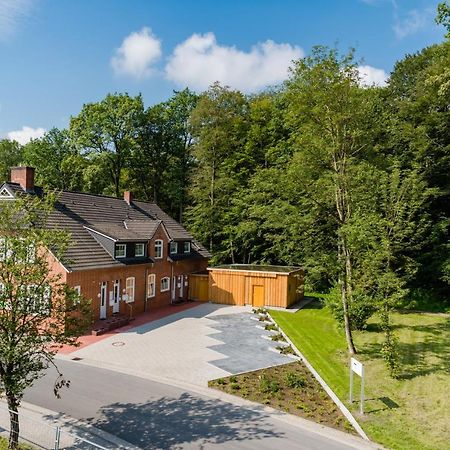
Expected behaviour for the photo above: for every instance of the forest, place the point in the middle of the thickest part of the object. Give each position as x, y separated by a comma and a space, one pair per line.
350, 181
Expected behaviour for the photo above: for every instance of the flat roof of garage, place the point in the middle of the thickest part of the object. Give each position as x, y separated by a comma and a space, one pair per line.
258, 268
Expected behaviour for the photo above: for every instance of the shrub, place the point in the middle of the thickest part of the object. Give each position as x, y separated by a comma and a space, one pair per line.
220, 381
286, 350
360, 309
295, 380
271, 327
234, 386
233, 379
278, 337
268, 385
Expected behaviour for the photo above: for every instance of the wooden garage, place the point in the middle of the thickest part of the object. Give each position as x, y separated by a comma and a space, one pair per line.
256, 285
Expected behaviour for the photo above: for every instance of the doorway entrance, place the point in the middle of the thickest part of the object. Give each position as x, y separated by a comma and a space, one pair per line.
257, 296
103, 299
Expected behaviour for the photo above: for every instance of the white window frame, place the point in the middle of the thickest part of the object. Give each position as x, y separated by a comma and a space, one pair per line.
188, 246
159, 249
163, 280
151, 285
139, 245
173, 247
130, 286
124, 246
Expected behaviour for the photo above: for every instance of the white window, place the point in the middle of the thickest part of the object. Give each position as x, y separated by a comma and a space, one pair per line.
139, 250
186, 247
121, 250
165, 284
158, 248
130, 289
173, 247
151, 285
77, 289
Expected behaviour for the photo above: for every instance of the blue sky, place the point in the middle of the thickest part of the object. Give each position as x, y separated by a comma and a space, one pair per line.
57, 55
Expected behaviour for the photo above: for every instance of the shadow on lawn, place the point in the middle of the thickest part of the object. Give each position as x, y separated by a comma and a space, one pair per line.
418, 358
171, 422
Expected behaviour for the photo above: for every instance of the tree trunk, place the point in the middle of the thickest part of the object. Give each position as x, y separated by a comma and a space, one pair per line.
14, 422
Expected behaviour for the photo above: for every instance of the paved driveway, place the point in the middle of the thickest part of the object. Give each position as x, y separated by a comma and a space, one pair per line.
193, 346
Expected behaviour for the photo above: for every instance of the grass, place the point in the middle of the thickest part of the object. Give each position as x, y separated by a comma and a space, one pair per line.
4, 445
409, 413
290, 388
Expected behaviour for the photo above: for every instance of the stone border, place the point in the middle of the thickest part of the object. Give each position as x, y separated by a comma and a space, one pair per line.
322, 382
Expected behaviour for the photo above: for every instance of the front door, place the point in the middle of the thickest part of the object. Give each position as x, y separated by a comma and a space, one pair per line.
116, 297
103, 299
258, 296
174, 288
181, 286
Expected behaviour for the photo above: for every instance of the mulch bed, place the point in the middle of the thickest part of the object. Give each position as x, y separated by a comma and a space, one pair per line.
290, 388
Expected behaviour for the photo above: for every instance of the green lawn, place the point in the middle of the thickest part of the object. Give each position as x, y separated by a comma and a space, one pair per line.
410, 413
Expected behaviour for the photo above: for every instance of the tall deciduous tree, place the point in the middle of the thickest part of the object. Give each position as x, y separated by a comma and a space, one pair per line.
326, 111
58, 164
219, 124
109, 127
39, 313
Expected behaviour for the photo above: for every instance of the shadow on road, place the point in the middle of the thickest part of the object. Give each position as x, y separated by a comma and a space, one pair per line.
171, 422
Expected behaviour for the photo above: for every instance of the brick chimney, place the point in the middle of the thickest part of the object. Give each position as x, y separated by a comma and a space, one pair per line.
23, 176
128, 197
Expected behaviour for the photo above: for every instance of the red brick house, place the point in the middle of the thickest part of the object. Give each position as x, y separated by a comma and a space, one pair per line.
124, 254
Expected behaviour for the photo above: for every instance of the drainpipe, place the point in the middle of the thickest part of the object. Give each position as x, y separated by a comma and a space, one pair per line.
171, 282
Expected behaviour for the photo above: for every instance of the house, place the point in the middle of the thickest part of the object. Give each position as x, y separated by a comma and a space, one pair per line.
125, 255
249, 284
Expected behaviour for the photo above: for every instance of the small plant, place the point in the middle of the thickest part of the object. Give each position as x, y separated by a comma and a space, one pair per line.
267, 385
278, 337
294, 380
221, 381
271, 327
234, 386
262, 318
286, 350
233, 379
259, 311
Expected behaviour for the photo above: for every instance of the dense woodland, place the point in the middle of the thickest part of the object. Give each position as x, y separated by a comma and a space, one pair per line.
350, 181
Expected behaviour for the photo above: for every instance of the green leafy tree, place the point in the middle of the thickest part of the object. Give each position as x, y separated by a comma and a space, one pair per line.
219, 125
109, 127
10, 156
39, 313
58, 164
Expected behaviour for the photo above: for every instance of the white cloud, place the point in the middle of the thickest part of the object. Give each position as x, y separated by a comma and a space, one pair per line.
137, 53
11, 13
412, 22
199, 61
26, 134
370, 76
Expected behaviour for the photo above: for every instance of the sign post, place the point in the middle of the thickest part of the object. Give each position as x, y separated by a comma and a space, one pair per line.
358, 368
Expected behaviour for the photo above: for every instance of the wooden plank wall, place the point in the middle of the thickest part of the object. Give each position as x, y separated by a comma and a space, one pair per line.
199, 287
295, 288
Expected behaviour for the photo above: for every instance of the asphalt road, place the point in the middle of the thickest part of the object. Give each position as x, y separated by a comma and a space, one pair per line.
153, 415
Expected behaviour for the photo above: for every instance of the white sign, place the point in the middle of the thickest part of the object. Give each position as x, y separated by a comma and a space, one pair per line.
357, 367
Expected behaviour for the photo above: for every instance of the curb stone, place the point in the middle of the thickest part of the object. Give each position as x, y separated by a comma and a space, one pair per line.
325, 386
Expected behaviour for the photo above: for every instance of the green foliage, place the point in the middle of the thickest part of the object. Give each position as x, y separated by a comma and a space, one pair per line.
294, 380
361, 309
39, 313
268, 385
10, 156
